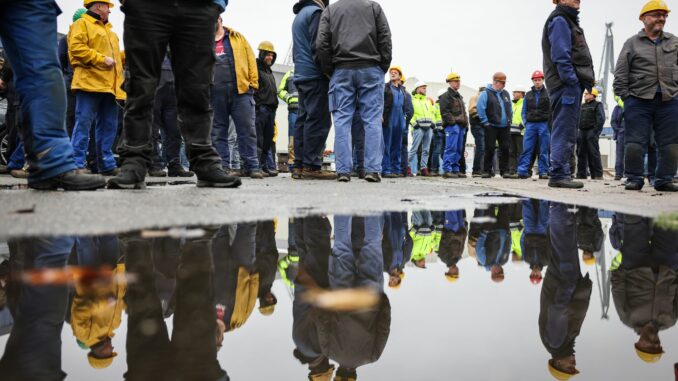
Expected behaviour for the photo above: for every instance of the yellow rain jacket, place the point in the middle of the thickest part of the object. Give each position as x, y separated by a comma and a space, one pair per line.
96, 315
246, 71
90, 41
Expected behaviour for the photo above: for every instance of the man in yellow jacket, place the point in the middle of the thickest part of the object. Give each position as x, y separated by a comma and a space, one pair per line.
94, 52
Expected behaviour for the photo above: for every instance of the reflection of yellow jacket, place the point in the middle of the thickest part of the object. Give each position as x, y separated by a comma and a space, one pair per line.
90, 41
246, 72
95, 315
246, 293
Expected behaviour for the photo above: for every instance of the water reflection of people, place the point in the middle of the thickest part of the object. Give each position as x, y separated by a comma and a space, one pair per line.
535, 244
352, 339
452, 242
422, 237
33, 350
266, 265
396, 246
565, 294
645, 281
191, 353
590, 236
493, 246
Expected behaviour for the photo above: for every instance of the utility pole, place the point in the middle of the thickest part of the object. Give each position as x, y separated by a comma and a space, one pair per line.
606, 64
289, 58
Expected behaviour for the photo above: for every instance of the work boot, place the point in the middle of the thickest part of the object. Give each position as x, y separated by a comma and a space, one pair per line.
617, 178
83, 171
344, 178
317, 174
179, 171
424, 172
4, 170
598, 178
409, 173
70, 181
668, 187
217, 178
233, 172
566, 184
296, 174
510, 176
390, 176
271, 172
524, 176
486, 175
257, 174
155, 172
373, 177
450, 175
112, 172
361, 174
18, 173
462, 175
544, 177
631, 186
126, 180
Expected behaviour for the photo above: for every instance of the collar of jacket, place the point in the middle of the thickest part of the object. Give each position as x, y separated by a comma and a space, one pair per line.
419, 96
663, 36
454, 92
303, 3
534, 88
95, 16
572, 13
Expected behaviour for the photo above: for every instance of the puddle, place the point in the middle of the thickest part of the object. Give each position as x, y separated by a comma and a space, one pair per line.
530, 290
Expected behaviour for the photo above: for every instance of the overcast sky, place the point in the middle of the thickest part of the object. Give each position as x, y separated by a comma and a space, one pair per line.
432, 37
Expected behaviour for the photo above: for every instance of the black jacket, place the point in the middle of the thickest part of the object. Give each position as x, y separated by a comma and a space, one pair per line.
267, 95
453, 109
353, 34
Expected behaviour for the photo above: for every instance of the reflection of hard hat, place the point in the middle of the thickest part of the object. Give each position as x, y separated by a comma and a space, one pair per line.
266, 46
655, 5
268, 310
560, 375
88, 3
97, 363
537, 74
452, 278
647, 357
453, 77
78, 14
441, 92
420, 84
590, 261
325, 376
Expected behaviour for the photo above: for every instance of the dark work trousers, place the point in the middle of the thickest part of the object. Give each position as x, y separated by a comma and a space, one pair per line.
313, 124
492, 135
165, 129
619, 164
478, 133
358, 137
228, 104
265, 130
438, 143
189, 31
70, 111
642, 118
588, 153
515, 150
566, 110
404, 152
650, 246
462, 157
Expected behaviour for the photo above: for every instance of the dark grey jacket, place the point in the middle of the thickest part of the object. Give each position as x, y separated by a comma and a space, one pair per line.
644, 65
353, 34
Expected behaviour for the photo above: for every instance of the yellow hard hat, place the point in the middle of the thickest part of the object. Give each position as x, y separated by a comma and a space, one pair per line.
453, 77
594, 92
89, 2
655, 5
451, 278
399, 70
268, 310
100, 363
267, 46
560, 375
647, 357
590, 261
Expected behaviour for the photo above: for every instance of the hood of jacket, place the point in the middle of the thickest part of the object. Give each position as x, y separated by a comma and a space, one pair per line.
303, 3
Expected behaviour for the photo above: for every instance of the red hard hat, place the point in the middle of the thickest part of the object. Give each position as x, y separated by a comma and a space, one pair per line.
537, 74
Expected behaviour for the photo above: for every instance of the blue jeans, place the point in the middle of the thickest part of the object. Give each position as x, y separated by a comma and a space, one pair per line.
101, 110
642, 118
18, 158
454, 148
566, 107
535, 132
227, 103
357, 263
358, 137
438, 149
233, 146
365, 87
478, 133
393, 140
420, 137
25, 26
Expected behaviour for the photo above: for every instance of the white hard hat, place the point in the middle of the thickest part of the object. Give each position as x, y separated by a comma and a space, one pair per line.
519, 89
420, 84
441, 92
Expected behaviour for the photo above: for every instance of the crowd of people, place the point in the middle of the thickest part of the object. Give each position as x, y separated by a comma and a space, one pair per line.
194, 94
211, 281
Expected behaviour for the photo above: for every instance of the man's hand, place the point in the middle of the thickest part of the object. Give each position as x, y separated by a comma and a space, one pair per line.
109, 62
2, 84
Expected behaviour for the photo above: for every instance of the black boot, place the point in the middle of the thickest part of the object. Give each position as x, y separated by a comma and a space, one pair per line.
70, 181
670, 187
179, 171
127, 180
565, 184
217, 178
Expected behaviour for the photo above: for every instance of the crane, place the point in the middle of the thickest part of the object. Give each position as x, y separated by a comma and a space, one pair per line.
606, 64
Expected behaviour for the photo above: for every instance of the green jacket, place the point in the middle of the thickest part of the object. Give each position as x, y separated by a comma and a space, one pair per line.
517, 123
438, 117
287, 91
424, 112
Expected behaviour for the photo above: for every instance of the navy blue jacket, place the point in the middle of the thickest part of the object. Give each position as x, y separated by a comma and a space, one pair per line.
304, 33
617, 121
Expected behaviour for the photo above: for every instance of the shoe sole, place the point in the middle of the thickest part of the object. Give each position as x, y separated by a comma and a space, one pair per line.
565, 187
135, 186
210, 184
